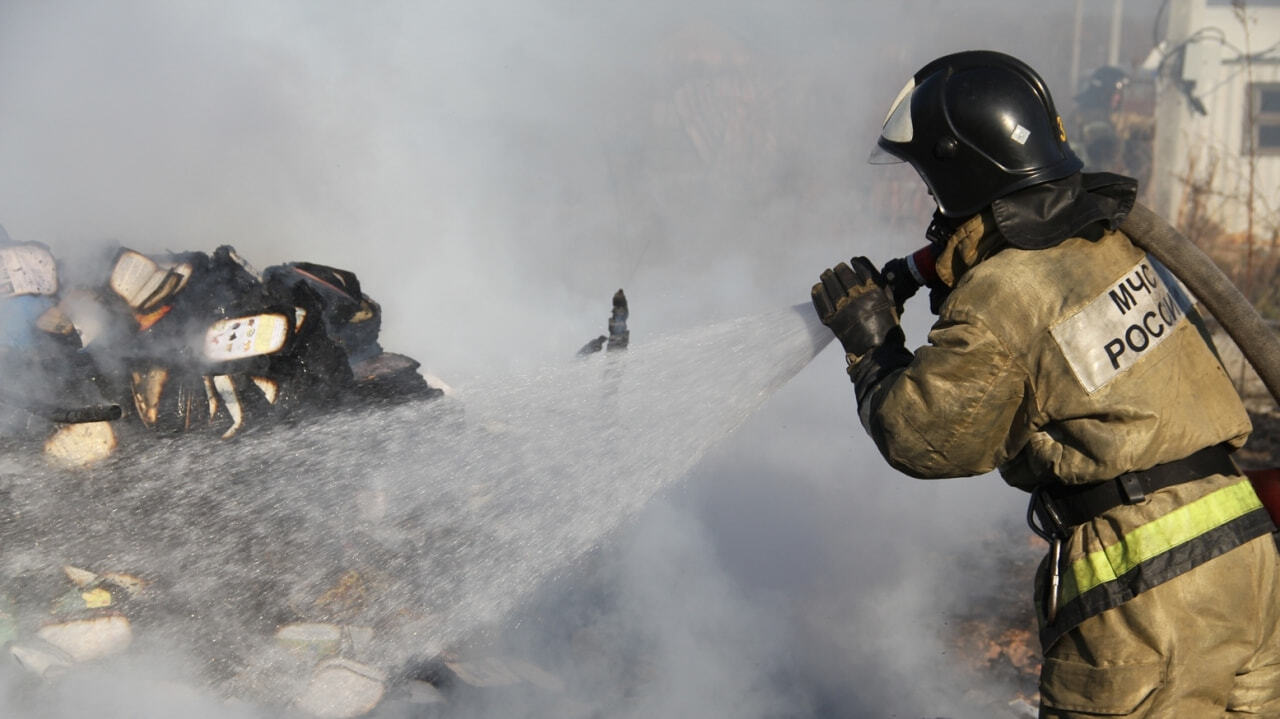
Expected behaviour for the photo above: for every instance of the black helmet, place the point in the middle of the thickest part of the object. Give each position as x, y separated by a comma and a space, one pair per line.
1105, 88
977, 125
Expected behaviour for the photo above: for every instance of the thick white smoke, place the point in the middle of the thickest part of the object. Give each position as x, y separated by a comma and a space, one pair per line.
493, 171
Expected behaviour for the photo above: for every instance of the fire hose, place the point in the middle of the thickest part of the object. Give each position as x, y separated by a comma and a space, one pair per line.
1258, 343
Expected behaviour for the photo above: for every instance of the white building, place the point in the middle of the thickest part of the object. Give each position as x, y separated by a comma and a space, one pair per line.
1218, 115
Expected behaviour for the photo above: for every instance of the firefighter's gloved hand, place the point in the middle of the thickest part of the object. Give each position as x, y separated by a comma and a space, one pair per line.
854, 300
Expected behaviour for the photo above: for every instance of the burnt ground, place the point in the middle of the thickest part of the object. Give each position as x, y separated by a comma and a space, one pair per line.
1263, 448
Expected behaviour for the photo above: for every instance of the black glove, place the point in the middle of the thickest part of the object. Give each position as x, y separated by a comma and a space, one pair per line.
901, 283
854, 300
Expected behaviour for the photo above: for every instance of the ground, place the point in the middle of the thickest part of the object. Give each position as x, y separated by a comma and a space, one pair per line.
1263, 447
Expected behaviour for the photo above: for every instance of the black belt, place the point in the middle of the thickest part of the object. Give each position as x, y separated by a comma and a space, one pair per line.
1077, 504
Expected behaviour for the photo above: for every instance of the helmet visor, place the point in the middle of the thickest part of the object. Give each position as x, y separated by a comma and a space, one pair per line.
897, 126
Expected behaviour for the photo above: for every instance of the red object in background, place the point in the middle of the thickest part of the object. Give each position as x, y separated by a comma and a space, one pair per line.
1266, 482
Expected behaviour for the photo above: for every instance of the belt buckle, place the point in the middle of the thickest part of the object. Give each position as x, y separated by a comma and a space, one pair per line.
1131, 488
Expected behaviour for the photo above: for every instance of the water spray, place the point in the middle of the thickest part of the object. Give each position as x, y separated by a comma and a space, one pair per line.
422, 525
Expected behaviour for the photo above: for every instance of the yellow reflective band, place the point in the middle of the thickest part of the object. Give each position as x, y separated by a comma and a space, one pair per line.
1159, 536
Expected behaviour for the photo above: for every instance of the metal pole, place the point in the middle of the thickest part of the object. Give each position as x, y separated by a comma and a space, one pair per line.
1170, 151
1075, 48
1117, 22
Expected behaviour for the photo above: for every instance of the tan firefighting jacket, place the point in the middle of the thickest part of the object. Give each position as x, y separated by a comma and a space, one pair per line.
1073, 364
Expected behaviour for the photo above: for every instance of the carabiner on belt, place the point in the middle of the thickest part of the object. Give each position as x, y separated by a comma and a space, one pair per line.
1055, 578
1051, 529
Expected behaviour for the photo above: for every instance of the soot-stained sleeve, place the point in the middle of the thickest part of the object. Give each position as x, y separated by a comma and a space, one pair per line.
954, 409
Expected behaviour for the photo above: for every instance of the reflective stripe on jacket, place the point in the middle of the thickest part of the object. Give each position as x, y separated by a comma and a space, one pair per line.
1103, 569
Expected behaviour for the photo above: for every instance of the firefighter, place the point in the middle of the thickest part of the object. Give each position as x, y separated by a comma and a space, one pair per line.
1070, 360
1109, 136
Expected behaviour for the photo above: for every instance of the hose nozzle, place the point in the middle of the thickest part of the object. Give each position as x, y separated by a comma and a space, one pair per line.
906, 275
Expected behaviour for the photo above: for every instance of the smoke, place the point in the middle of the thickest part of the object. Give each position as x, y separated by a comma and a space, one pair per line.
493, 171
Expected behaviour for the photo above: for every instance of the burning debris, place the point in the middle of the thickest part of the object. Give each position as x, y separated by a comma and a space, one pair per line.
185, 342
200, 345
